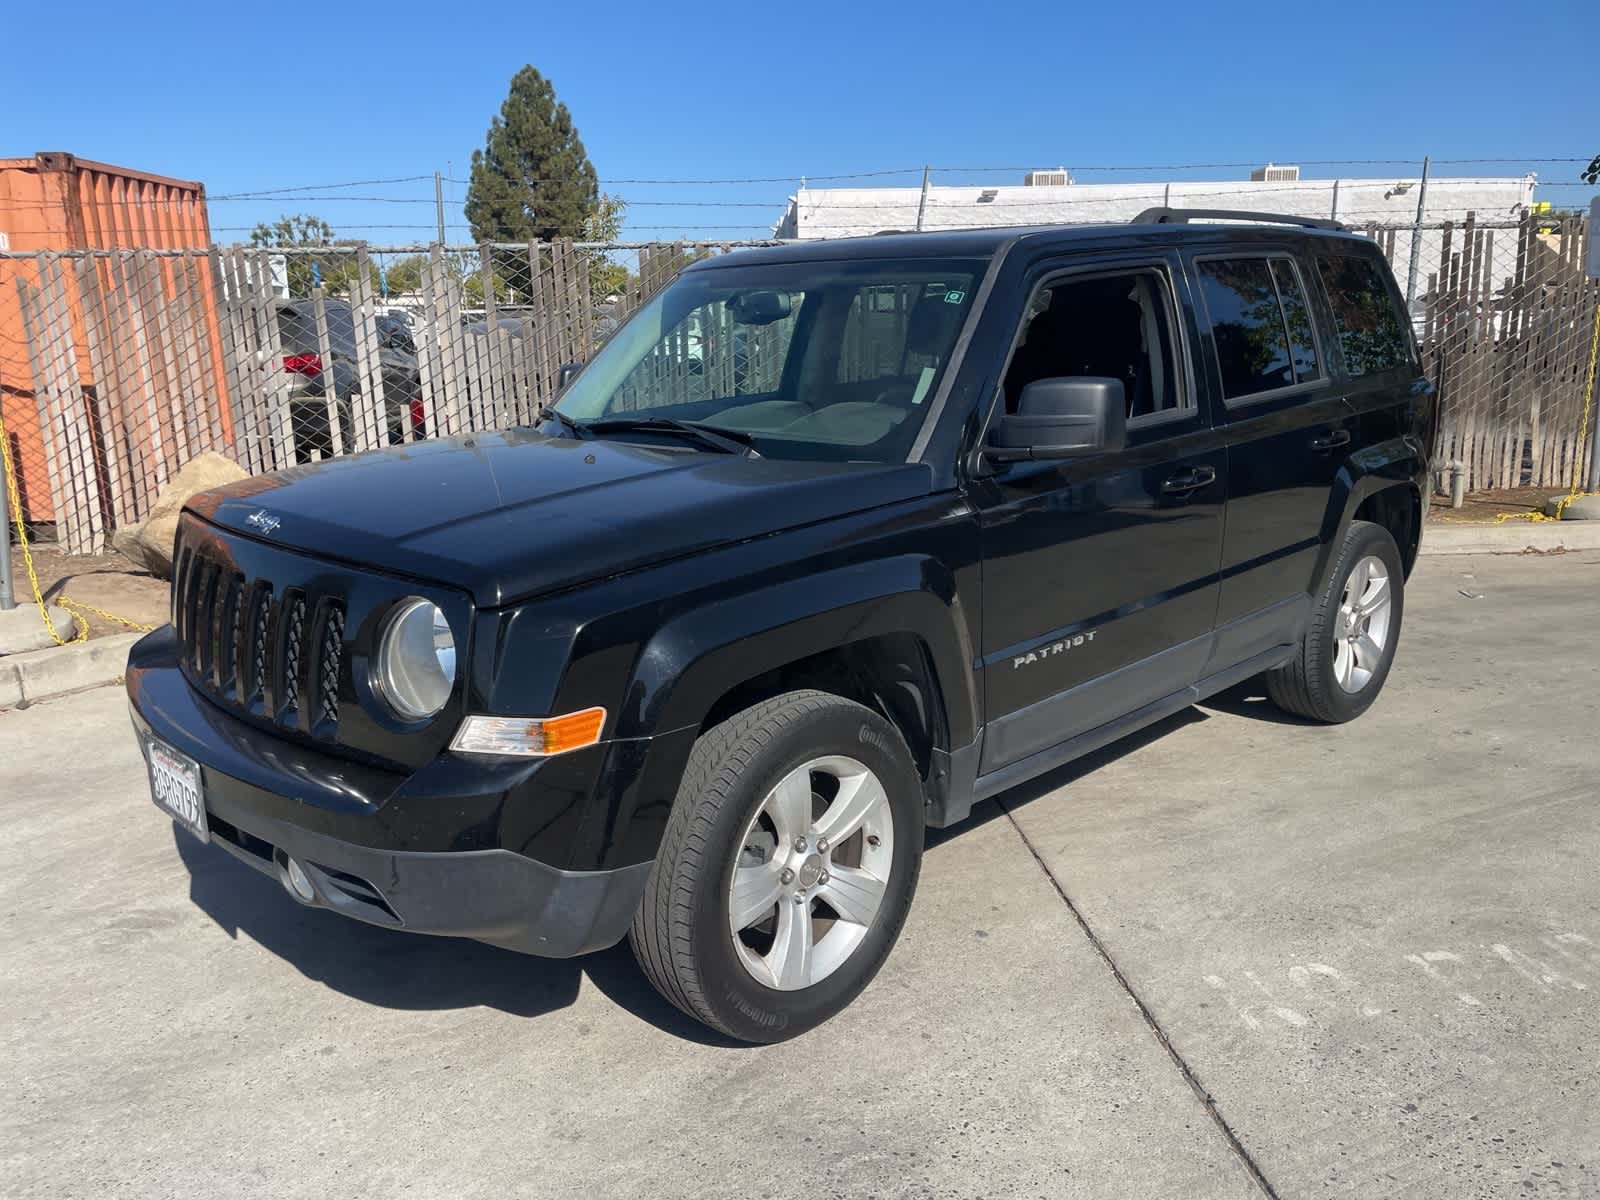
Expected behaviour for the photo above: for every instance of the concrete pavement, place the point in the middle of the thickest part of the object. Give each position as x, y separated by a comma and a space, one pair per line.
1377, 944
1376, 947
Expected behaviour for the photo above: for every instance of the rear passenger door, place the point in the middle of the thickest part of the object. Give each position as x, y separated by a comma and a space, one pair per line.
1287, 429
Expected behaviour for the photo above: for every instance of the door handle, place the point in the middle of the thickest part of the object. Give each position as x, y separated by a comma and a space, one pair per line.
1191, 480
1331, 440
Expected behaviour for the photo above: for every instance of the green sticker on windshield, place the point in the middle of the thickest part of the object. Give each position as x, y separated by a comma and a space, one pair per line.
954, 297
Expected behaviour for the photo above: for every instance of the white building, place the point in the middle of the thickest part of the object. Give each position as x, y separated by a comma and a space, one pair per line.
1051, 198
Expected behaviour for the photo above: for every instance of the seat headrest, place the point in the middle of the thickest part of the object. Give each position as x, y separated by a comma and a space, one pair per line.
931, 324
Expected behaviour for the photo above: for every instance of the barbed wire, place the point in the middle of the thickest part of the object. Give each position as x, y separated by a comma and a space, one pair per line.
272, 193
282, 192
1146, 192
1241, 187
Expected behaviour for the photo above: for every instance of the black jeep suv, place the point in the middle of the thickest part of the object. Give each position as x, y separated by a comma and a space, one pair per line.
827, 543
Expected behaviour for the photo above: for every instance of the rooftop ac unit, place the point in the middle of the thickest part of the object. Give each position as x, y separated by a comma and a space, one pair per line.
1275, 174
1057, 178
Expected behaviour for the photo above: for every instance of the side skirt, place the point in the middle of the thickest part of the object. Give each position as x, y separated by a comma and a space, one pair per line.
1283, 624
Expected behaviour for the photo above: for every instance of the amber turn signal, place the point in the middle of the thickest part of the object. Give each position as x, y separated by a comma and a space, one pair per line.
529, 737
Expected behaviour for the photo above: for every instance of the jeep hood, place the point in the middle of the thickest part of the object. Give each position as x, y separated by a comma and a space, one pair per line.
509, 515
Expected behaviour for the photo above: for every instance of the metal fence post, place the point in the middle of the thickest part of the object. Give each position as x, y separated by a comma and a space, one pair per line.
1416, 237
1591, 258
7, 600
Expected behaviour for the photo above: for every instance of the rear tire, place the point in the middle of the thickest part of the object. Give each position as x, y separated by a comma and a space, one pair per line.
720, 932
1346, 653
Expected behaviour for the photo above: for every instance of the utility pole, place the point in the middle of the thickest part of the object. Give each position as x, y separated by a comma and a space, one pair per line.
438, 203
922, 205
1416, 238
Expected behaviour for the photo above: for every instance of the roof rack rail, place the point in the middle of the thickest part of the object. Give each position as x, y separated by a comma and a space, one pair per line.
1182, 216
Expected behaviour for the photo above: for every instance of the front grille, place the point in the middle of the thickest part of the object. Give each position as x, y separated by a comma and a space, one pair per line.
294, 634
328, 659
275, 653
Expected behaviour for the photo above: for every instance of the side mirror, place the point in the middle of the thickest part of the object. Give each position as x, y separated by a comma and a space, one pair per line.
564, 376
1062, 418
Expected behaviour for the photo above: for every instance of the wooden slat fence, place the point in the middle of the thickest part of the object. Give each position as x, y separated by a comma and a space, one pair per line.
1505, 322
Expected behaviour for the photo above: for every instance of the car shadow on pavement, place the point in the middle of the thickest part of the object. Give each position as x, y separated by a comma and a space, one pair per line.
1051, 781
395, 969
1249, 699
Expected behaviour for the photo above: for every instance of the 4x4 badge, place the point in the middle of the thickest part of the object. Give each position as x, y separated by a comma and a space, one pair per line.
263, 520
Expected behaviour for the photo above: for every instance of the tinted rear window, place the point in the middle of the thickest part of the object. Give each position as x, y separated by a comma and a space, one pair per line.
1302, 345
1370, 329
297, 327
1247, 324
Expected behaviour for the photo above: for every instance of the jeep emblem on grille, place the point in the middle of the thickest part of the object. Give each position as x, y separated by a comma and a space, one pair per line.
262, 520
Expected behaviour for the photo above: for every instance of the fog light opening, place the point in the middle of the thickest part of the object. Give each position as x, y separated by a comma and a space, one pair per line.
297, 882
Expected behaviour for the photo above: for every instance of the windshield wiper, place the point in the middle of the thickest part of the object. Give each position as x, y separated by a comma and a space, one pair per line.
577, 428
725, 441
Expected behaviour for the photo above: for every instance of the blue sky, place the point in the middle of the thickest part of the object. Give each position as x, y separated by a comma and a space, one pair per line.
253, 97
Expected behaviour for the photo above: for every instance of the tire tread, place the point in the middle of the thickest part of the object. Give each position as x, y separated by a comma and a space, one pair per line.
661, 932
1303, 685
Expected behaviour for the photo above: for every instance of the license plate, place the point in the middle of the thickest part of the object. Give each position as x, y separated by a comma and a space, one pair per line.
175, 785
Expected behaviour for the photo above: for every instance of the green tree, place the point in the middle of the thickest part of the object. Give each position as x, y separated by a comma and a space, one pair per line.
1591, 173
300, 229
533, 180
337, 269
294, 231
405, 274
607, 277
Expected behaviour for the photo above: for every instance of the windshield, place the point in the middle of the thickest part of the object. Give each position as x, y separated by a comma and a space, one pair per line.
816, 360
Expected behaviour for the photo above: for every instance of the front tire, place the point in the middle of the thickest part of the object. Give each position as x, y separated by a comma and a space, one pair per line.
787, 867
1346, 654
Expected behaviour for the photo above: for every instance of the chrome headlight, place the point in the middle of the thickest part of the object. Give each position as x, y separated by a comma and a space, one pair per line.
415, 667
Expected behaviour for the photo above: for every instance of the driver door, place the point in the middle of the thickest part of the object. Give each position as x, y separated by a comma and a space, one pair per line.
1100, 573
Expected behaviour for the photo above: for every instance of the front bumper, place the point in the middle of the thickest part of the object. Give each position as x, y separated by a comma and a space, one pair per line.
266, 798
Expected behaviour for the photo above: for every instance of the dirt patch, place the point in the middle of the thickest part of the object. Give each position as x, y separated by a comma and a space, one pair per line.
106, 581
1485, 507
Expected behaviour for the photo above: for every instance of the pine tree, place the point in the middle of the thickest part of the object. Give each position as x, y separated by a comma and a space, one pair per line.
532, 180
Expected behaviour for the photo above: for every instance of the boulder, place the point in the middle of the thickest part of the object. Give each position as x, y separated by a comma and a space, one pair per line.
1582, 508
149, 543
21, 629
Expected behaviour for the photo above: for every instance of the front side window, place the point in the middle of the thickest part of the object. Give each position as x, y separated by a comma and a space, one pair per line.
1108, 326
1370, 331
815, 360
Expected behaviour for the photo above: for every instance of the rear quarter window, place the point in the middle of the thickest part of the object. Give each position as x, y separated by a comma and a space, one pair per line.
1371, 332
297, 327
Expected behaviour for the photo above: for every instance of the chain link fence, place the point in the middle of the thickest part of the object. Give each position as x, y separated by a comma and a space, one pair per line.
1504, 313
118, 367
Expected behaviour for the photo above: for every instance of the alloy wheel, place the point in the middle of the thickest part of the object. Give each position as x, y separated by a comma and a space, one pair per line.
1361, 629
812, 870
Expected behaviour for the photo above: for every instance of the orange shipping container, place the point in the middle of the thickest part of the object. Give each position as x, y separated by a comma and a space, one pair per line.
55, 202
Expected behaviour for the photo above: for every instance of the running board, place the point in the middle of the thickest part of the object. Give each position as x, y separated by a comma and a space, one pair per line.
1061, 754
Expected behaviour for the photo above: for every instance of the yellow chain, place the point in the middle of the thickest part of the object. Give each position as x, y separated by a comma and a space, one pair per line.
77, 610
1575, 491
